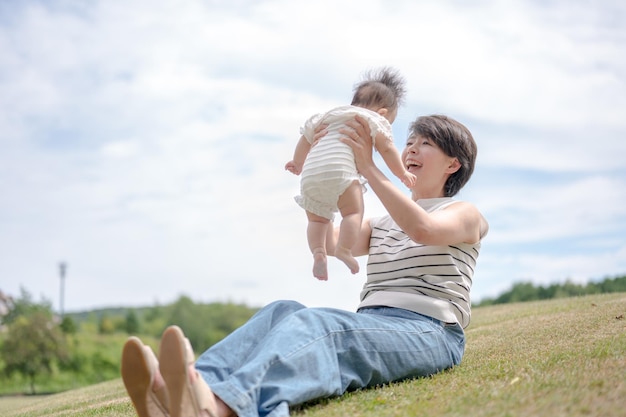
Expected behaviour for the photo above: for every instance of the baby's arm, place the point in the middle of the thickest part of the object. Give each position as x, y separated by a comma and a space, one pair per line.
302, 150
393, 159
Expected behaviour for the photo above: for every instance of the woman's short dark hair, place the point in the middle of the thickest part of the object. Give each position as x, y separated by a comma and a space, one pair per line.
455, 140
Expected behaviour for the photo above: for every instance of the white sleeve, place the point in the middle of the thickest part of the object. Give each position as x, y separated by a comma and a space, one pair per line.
308, 130
379, 125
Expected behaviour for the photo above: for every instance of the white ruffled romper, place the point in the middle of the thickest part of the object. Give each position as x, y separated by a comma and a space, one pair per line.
329, 167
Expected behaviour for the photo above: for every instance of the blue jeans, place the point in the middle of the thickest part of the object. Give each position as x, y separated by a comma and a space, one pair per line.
287, 354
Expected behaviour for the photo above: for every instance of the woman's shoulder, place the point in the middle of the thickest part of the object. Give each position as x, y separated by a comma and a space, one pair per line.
471, 214
435, 204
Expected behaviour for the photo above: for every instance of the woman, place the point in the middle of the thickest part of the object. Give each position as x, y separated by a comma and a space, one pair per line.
410, 322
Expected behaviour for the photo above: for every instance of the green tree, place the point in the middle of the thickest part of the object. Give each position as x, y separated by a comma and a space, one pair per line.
131, 325
521, 291
526, 291
32, 345
206, 324
616, 284
25, 306
68, 326
106, 325
186, 314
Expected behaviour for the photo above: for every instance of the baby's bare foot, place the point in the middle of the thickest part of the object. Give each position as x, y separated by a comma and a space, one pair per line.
345, 255
320, 266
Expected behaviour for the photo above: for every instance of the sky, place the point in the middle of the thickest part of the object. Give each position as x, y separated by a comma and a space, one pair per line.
143, 142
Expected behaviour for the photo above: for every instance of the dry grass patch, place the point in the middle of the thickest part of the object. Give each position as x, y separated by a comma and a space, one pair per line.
553, 358
104, 399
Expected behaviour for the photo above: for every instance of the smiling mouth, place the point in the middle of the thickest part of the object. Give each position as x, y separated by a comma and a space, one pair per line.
412, 164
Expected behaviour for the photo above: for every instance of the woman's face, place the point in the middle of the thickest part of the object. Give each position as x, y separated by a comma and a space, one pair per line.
432, 167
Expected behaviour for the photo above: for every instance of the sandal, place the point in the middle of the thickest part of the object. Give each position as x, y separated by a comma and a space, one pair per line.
139, 365
188, 399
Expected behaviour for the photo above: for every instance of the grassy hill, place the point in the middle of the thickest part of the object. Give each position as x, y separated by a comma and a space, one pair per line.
564, 357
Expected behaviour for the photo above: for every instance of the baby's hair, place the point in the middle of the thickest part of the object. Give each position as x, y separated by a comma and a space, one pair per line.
384, 88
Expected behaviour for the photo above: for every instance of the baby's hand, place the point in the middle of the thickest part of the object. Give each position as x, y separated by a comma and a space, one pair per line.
294, 168
408, 179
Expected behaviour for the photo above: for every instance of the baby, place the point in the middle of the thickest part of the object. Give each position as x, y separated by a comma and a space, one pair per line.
330, 181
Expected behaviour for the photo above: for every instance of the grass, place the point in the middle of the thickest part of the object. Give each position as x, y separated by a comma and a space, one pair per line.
564, 357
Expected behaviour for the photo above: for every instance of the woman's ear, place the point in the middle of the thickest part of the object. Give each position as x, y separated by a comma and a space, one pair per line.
454, 166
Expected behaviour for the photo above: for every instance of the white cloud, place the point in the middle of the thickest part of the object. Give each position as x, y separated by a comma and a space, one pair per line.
578, 209
144, 141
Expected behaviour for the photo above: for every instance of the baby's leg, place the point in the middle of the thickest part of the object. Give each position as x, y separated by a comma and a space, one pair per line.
350, 206
316, 235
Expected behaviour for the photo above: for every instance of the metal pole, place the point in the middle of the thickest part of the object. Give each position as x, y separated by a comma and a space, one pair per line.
62, 269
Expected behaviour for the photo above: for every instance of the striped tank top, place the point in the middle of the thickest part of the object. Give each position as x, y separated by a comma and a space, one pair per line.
430, 280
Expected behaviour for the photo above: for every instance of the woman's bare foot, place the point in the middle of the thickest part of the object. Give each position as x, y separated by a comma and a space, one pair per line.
188, 392
158, 383
320, 266
345, 255
142, 380
222, 410
193, 377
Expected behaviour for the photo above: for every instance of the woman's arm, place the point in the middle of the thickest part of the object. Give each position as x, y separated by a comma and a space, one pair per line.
360, 248
460, 222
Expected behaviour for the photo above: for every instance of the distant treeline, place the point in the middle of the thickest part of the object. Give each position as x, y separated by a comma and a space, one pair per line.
42, 352
203, 324
527, 291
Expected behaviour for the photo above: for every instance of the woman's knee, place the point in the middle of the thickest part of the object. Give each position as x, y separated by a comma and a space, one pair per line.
283, 307
320, 320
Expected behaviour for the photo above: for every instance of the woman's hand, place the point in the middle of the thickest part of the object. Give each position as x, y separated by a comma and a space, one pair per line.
320, 131
359, 138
